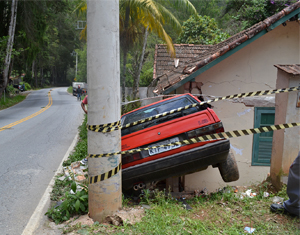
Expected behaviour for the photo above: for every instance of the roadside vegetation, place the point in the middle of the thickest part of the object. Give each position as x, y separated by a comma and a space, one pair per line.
9, 101
226, 211
12, 96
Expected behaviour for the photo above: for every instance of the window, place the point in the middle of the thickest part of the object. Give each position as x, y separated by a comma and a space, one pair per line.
262, 143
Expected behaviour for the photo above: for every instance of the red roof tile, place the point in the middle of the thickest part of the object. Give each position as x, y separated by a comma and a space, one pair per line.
291, 69
193, 57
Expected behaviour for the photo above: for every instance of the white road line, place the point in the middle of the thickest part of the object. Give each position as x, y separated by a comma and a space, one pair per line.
38, 214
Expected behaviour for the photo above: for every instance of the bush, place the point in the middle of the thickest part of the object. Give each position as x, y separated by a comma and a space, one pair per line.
27, 86
10, 89
201, 30
73, 204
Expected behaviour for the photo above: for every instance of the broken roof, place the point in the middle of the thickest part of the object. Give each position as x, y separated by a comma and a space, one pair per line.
291, 69
195, 59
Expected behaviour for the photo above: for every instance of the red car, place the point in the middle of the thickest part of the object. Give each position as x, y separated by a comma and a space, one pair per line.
164, 162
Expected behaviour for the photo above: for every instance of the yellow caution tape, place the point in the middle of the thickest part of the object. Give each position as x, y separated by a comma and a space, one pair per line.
109, 127
216, 136
105, 128
104, 176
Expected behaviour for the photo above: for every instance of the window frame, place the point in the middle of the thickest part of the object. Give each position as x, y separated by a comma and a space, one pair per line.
258, 111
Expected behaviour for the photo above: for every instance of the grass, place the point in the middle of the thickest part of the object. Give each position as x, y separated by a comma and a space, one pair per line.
70, 89
11, 101
221, 212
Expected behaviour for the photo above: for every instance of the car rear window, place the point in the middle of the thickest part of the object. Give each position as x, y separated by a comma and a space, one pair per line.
162, 107
156, 109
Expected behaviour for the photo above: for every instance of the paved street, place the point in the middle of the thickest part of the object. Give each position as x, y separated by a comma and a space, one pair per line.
37, 134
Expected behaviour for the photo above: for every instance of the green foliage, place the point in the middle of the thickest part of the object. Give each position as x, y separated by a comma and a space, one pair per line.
80, 150
251, 12
60, 187
44, 37
70, 89
201, 30
3, 43
10, 101
27, 86
82, 64
146, 77
131, 106
11, 90
73, 204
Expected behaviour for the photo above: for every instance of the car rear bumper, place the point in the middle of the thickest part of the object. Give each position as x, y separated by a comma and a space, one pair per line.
182, 163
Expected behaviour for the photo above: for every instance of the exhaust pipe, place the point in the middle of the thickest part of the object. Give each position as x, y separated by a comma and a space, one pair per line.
135, 187
141, 185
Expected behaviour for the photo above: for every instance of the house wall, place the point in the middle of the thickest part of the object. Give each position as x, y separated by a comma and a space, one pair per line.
249, 69
284, 152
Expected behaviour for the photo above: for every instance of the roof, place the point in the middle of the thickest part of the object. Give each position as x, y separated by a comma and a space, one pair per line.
291, 69
195, 59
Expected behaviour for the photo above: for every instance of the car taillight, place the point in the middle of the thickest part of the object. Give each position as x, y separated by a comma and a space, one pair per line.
211, 129
131, 158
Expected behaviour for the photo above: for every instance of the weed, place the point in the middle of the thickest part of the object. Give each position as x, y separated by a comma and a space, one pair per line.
60, 187
80, 150
72, 204
10, 101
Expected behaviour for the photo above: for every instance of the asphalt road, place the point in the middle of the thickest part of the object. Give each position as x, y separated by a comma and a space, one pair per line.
36, 135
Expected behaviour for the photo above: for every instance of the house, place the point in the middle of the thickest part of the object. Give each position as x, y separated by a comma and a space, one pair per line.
242, 63
286, 143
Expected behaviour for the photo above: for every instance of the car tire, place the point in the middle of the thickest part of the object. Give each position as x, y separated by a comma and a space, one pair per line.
229, 169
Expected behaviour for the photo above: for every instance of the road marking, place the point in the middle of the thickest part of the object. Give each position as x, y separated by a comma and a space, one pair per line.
50, 102
38, 215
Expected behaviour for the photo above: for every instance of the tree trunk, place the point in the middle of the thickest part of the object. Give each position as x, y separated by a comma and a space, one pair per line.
42, 76
137, 78
10, 43
124, 78
33, 73
125, 45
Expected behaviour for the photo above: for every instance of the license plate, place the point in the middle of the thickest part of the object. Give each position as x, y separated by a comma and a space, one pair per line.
165, 148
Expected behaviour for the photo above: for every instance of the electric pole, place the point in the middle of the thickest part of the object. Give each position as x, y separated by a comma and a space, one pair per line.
103, 77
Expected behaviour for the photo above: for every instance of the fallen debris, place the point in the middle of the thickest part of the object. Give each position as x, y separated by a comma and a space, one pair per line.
130, 216
75, 172
277, 199
248, 193
249, 230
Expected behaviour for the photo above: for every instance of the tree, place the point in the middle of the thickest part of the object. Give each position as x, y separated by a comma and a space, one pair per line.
201, 30
136, 15
247, 13
152, 15
10, 42
82, 65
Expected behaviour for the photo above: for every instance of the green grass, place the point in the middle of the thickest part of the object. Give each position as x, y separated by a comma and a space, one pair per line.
80, 150
222, 212
10, 101
70, 89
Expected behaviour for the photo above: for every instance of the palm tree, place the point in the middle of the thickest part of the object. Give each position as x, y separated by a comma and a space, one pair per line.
151, 15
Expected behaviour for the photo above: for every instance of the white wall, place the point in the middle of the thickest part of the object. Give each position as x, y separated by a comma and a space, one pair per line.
249, 69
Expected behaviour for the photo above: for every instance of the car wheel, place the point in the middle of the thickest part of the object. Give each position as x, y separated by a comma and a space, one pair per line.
229, 169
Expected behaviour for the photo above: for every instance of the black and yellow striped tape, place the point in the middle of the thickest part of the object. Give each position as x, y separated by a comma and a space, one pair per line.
217, 136
222, 135
104, 176
116, 125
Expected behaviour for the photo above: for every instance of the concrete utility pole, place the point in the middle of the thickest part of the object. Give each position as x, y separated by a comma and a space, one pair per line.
103, 76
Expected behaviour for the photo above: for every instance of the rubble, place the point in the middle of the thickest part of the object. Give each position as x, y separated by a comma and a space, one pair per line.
130, 216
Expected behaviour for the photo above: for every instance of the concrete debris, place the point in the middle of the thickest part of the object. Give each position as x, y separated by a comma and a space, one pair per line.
76, 172
130, 216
